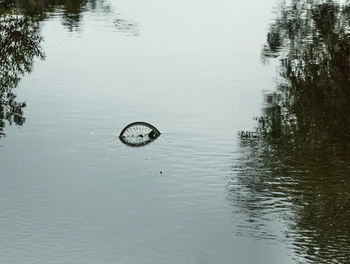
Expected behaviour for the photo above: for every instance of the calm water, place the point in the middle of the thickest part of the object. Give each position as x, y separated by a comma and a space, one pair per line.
74, 73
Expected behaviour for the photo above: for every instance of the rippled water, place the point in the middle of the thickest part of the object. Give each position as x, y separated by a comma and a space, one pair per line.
71, 192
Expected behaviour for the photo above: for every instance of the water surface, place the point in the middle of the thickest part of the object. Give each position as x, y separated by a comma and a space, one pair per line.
200, 72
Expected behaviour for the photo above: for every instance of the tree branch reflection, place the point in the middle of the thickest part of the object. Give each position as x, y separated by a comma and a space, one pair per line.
19, 45
297, 172
20, 42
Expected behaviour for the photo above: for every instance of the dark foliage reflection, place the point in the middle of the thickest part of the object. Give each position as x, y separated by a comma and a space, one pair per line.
297, 172
20, 42
71, 11
19, 45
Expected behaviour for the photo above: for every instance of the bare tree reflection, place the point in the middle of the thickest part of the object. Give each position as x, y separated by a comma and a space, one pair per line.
298, 171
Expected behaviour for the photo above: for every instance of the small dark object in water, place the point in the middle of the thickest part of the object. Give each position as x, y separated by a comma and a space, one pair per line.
153, 134
248, 135
138, 134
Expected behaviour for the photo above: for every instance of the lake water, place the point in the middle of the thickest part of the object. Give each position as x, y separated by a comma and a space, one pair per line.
200, 71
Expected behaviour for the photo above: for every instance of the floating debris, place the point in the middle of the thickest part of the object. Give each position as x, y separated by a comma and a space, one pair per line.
125, 26
248, 135
138, 134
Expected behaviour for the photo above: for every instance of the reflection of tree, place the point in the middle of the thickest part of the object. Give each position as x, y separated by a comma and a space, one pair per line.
19, 45
20, 42
71, 11
316, 68
302, 159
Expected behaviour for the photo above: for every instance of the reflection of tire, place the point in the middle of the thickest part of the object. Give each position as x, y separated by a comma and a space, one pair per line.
138, 134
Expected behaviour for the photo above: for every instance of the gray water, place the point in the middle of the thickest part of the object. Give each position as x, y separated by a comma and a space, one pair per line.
71, 192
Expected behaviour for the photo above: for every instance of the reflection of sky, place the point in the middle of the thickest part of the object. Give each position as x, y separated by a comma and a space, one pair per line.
184, 52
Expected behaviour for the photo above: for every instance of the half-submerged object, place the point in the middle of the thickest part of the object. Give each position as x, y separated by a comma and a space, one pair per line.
138, 134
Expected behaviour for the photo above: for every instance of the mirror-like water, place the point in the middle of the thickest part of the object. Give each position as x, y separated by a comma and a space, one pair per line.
74, 73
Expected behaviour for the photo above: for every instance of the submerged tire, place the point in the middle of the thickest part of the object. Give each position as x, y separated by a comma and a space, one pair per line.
138, 134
